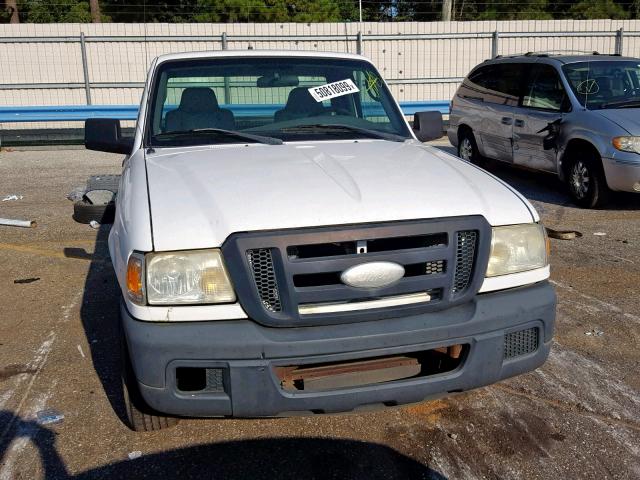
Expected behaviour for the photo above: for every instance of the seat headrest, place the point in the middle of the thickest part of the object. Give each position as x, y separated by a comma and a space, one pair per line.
300, 100
604, 83
198, 99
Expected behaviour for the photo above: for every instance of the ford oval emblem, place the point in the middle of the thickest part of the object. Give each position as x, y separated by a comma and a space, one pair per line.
372, 274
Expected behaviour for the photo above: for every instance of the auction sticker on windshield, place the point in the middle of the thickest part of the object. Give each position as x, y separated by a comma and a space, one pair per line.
332, 90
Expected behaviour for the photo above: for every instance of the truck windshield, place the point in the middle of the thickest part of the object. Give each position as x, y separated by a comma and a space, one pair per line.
269, 100
605, 84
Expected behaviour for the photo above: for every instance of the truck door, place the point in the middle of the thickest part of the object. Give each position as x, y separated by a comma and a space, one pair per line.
542, 103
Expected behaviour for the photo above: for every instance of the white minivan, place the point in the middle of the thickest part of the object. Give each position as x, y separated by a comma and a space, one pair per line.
286, 244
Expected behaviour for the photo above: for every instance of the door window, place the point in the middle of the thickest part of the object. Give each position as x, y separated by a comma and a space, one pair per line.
497, 83
543, 89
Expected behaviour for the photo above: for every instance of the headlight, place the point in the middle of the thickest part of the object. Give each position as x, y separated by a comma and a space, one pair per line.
190, 277
627, 144
517, 248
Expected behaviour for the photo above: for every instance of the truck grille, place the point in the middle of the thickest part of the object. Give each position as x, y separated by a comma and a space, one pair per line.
465, 254
261, 263
293, 278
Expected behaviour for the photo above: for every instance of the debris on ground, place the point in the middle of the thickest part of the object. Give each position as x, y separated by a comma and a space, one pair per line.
99, 197
12, 222
95, 225
49, 417
10, 198
135, 454
563, 234
26, 280
600, 234
81, 352
76, 194
594, 332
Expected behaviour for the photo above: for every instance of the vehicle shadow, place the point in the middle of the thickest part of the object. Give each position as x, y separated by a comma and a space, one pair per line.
546, 187
269, 458
99, 314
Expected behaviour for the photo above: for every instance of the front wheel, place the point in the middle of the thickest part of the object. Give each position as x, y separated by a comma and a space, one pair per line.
140, 417
468, 148
586, 181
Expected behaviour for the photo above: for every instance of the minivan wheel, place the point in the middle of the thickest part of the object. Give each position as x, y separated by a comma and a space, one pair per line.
586, 181
467, 147
140, 417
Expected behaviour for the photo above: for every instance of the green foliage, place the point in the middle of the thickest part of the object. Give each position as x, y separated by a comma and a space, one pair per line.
172, 11
60, 11
587, 9
267, 11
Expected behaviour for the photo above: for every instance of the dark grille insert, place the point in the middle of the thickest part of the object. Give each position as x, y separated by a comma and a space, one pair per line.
466, 242
373, 245
520, 343
261, 263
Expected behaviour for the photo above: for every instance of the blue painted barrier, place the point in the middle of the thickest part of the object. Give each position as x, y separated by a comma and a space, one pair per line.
130, 112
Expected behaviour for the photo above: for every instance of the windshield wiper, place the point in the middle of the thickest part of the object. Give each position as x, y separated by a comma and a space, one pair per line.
221, 132
327, 127
622, 104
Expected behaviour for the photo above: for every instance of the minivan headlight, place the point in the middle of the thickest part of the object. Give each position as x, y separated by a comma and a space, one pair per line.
627, 144
517, 248
189, 277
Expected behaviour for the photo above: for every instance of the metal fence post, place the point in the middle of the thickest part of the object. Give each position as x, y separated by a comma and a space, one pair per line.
619, 39
85, 68
495, 39
359, 43
227, 90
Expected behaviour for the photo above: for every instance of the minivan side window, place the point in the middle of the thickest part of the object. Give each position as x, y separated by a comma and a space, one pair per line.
497, 83
543, 89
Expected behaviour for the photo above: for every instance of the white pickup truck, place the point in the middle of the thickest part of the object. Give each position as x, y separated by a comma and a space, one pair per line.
286, 244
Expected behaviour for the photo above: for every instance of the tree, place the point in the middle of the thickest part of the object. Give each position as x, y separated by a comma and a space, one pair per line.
94, 6
11, 13
587, 9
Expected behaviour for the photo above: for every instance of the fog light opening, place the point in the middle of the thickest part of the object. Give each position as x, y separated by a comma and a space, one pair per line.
191, 379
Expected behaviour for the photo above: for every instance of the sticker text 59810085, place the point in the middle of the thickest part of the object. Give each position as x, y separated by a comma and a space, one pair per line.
332, 90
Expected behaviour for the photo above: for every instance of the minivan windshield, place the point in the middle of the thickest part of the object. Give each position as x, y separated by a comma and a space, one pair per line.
270, 100
605, 84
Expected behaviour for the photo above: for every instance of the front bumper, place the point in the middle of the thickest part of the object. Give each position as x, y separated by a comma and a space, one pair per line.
247, 353
623, 172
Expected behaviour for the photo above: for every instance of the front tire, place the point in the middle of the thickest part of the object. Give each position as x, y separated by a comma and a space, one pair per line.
586, 180
140, 417
468, 148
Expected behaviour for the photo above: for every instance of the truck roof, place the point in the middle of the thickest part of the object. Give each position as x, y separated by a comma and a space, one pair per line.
258, 53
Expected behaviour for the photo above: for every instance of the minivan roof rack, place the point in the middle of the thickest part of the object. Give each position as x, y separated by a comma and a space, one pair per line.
547, 53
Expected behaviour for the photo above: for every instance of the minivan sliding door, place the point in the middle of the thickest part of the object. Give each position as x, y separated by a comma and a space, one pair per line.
497, 87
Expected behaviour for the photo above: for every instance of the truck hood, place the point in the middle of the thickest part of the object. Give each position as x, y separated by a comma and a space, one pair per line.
201, 195
626, 118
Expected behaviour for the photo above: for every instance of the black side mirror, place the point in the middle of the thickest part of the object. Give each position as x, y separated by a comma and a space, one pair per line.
428, 125
104, 135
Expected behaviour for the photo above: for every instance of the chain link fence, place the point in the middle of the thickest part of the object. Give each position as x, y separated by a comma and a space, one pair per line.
106, 64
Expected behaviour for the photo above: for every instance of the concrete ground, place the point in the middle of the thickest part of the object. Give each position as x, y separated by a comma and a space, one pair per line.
576, 417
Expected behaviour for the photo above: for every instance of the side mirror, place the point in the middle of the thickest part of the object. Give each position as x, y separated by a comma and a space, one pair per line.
104, 135
428, 125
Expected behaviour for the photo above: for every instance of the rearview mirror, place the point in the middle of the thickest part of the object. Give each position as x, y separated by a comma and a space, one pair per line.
277, 80
428, 125
104, 135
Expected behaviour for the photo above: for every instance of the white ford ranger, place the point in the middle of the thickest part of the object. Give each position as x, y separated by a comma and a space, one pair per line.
285, 244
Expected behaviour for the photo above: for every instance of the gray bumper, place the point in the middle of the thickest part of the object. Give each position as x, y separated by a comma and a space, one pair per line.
623, 172
248, 351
